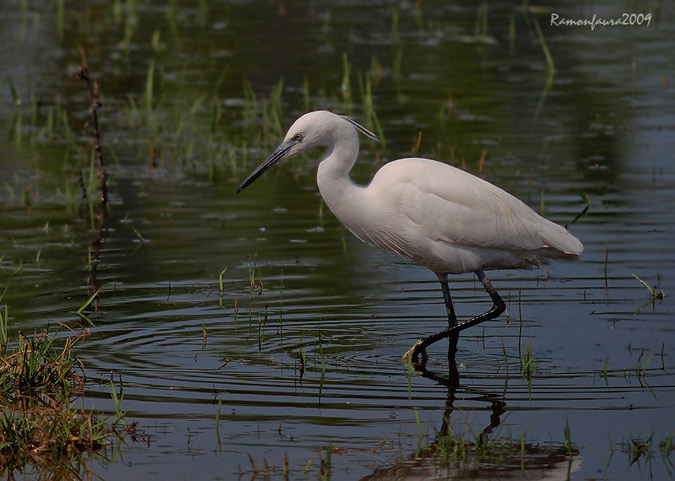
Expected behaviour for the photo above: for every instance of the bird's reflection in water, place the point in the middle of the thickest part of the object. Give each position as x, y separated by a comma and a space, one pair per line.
451, 381
453, 457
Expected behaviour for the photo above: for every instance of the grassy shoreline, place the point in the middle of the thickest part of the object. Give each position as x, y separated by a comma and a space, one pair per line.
41, 430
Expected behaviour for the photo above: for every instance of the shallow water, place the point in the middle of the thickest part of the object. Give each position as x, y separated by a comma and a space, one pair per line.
295, 283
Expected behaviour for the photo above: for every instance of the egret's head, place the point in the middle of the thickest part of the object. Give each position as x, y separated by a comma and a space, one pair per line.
314, 129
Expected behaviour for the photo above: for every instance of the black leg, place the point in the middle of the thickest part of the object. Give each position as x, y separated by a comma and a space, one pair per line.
452, 319
498, 307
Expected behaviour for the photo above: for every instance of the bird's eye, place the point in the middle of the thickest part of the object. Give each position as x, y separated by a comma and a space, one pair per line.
297, 137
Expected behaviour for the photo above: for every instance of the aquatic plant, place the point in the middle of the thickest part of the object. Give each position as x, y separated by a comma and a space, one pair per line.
550, 65
326, 464
4, 317
644, 451
527, 368
39, 426
657, 294
83, 307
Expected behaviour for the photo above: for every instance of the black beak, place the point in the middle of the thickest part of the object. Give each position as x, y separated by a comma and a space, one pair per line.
281, 152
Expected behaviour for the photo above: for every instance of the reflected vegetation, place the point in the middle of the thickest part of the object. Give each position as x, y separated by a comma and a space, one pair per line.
253, 336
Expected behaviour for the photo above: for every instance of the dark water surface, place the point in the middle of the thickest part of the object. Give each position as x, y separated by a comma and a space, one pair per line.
590, 146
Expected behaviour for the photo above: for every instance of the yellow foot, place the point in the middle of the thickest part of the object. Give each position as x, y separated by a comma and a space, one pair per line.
411, 353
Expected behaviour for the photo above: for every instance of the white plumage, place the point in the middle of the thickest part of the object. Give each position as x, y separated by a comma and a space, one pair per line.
448, 220
438, 216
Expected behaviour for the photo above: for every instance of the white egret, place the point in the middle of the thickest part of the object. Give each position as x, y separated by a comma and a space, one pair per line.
436, 215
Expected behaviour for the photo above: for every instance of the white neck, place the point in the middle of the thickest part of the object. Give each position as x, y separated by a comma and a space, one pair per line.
337, 189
